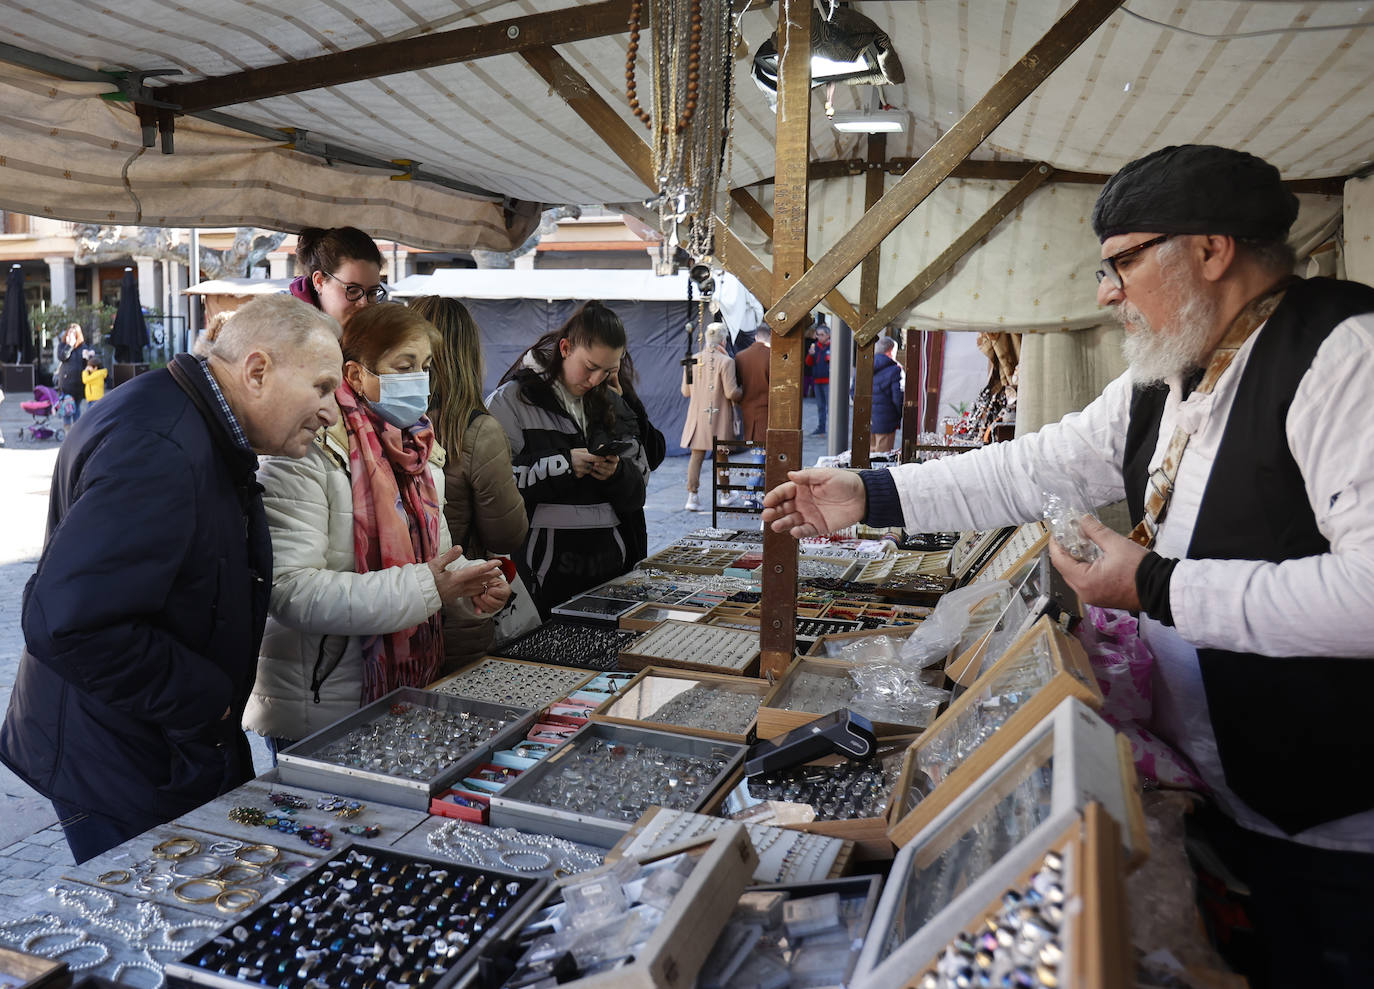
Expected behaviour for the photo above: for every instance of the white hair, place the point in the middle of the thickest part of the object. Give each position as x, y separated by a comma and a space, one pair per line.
884, 345
715, 333
272, 323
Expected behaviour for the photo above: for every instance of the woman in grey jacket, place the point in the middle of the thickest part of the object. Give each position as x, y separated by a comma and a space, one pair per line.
356, 586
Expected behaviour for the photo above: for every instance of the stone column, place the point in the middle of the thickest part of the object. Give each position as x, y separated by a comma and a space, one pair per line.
149, 282
281, 265
62, 274
179, 307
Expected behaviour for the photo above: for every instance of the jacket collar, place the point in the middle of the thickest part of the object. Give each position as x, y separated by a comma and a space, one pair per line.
189, 374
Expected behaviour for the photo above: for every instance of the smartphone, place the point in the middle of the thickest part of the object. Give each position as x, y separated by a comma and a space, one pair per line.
612, 449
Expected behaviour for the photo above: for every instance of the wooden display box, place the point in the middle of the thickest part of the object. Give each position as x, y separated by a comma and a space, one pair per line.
642, 653
830, 646
973, 550
775, 721
1095, 938
677, 949
654, 686
691, 560
1019, 548
1065, 674
869, 834
650, 614
577, 678
25, 971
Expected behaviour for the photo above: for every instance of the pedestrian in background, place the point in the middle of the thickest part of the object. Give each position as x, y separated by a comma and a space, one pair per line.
71, 356
93, 379
887, 396
818, 362
713, 392
752, 369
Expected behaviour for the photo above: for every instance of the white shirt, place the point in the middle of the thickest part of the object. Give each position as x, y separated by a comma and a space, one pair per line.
1315, 606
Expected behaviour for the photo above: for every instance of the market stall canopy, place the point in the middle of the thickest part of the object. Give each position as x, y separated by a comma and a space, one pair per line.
1276, 78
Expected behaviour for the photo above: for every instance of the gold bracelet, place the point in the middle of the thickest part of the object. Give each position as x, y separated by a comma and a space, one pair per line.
272, 851
218, 885
225, 900
176, 848
115, 877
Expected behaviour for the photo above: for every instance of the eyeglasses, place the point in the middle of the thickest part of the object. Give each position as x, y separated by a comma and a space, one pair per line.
1110, 269
352, 292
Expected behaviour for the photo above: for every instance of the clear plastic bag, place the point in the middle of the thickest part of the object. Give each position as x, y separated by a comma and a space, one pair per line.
1065, 519
887, 687
945, 627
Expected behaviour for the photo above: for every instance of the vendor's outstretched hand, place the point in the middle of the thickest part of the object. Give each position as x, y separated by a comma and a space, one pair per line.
815, 502
1109, 581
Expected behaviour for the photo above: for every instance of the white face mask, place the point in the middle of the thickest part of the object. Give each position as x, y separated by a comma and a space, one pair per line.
404, 398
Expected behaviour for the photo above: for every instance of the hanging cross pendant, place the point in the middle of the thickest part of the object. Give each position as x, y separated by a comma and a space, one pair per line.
688, 362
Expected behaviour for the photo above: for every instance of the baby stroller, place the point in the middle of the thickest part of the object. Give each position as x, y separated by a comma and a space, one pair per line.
46, 402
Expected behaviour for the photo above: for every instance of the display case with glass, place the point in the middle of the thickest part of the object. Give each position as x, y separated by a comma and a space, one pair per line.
647, 616
1025, 542
993, 831
722, 707
1041, 669
403, 748
695, 646
811, 688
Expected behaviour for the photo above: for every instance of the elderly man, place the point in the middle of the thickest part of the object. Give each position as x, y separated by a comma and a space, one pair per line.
1240, 439
142, 622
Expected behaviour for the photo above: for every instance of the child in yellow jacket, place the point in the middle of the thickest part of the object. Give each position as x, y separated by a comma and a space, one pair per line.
93, 376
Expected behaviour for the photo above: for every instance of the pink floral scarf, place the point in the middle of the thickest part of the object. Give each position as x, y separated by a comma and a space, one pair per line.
396, 519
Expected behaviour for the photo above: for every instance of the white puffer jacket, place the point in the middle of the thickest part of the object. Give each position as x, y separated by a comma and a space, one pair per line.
310, 667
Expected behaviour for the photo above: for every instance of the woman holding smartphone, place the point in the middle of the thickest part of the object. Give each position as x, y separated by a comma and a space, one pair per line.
576, 456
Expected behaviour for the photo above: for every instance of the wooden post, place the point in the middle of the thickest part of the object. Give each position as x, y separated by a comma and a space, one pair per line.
862, 431
777, 627
1019, 81
925, 365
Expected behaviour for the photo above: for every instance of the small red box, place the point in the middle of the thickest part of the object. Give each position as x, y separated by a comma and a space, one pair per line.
447, 808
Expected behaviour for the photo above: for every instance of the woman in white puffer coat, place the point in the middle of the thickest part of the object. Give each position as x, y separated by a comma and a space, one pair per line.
358, 585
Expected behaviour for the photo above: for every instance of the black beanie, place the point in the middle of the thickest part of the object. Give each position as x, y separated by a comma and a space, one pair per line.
1196, 189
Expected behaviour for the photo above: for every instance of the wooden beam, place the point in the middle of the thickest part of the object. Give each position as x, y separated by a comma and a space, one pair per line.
861, 434
426, 51
778, 608
965, 242
1070, 31
753, 209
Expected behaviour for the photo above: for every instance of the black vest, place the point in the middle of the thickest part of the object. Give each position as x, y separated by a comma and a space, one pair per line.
1292, 732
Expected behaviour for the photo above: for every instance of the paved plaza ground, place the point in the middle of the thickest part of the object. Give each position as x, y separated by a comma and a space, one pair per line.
32, 850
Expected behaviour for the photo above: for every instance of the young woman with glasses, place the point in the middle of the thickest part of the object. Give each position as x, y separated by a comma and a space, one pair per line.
343, 271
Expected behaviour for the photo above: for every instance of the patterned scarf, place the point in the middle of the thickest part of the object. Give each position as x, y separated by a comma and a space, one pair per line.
396, 519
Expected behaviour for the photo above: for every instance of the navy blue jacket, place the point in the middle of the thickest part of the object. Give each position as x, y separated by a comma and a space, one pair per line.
887, 394
143, 619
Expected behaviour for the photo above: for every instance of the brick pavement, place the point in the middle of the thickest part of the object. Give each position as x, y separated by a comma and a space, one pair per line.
32, 851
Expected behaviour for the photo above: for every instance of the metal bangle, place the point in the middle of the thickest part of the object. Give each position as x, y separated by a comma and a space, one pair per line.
168, 849
115, 877
240, 874
224, 901
180, 894
243, 855
178, 867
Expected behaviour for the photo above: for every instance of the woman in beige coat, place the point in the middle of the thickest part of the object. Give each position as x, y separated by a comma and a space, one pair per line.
483, 507
711, 415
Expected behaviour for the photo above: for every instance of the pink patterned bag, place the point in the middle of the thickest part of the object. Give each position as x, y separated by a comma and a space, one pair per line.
1122, 663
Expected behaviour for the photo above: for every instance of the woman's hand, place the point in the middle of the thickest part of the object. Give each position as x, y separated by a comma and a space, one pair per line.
585, 462
465, 582
493, 597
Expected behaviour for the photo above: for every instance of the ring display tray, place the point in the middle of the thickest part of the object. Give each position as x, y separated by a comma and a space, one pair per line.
459, 907
596, 786
566, 643
695, 646
513, 681
1011, 698
706, 704
435, 738
996, 829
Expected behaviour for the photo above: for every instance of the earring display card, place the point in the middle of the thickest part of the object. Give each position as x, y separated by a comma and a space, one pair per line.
403, 748
564, 643
1002, 705
723, 707
511, 681
695, 646
1062, 917
644, 923
785, 856
974, 548
809, 933
601, 782
1025, 542
316, 928
996, 829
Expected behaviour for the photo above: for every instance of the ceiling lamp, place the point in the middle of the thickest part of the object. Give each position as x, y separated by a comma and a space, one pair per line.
845, 48
876, 120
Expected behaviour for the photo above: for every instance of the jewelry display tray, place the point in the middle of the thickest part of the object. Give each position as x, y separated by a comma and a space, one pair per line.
1070, 759
298, 766
184, 974
508, 809
675, 952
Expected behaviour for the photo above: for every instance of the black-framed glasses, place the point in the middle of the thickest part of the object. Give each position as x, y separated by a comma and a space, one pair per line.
1109, 268
352, 292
